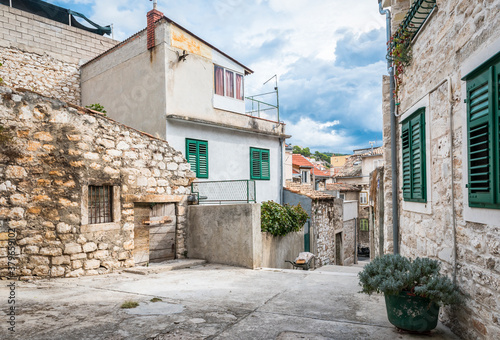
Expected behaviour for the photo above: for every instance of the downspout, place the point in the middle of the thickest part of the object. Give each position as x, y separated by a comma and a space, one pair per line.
453, 216
281, 184
394, 173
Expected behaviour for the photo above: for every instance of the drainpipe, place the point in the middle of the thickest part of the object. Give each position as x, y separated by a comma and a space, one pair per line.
281, 192
453, 215
394, 173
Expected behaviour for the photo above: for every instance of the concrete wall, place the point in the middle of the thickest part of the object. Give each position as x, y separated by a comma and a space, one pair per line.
226, 234
457, 38
43, 55
350, 210
277, 249
51, 154
229, 154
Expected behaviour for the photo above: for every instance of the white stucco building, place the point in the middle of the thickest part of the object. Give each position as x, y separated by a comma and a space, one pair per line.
170, 83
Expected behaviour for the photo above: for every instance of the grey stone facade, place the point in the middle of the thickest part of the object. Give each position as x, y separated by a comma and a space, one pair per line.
51, 153
458, 36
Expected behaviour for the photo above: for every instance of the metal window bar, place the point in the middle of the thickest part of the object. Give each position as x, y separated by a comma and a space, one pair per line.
100, 204
224, 192
414, 20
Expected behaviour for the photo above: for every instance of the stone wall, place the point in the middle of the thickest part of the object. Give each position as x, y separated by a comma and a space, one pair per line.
348, 242
458, 33
43, 55
326, 221
51, 153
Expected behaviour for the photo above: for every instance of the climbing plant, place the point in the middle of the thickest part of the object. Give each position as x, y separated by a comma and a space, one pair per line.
279, 220
400, 53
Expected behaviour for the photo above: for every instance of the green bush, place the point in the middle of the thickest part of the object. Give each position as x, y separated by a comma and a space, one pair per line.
391, 274
279, 220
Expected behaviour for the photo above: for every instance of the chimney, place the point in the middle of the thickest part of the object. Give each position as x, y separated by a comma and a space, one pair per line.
153, 16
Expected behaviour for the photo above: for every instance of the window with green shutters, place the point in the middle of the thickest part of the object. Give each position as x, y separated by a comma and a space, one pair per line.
197, 156
483, 134
414, 167
259, 164
363, 224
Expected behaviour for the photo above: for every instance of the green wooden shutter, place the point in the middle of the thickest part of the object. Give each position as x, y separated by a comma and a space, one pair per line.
405, 136
418, 170
496, 107
202, 159
191, 154
265, 174
255, 164
480, 138
259, 164
197, 157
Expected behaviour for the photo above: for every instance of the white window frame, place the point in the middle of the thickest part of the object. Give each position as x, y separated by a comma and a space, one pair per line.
420, 207
364, 195
225, 69
473, 214
307, 175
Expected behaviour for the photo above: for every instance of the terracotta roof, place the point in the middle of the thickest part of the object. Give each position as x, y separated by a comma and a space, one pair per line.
301, 161
350, 169
375, 152
306, 190
341, 187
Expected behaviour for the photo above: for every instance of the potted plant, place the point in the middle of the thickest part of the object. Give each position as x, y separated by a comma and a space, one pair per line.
413, 289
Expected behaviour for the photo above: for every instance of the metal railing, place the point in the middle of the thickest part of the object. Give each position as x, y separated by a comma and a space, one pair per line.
232, 191
414, 20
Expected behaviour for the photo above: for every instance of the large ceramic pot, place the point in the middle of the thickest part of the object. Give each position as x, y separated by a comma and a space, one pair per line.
412, 313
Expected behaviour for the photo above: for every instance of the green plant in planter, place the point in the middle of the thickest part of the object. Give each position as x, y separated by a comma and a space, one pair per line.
413, 289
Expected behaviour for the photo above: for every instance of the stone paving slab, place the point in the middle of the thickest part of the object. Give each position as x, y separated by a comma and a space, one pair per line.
155, 268
203, 302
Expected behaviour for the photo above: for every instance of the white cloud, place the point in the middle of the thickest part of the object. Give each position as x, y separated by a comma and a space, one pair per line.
316, 135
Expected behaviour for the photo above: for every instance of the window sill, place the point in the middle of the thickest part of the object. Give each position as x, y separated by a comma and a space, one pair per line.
91, 228
418, 207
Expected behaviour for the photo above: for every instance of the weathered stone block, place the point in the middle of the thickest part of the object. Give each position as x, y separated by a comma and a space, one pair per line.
100, 254
76, 273
123, 255
76, 264
51, 251
91, 264
63, 228
103, 246
41, 270
128, 245
89, 247
57, 271
57, 260
72, 248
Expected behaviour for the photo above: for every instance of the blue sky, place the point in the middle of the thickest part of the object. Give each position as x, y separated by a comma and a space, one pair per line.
329, 56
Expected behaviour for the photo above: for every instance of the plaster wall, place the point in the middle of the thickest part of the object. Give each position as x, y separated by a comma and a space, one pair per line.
229, 154
277, 249
226, 234
130, 83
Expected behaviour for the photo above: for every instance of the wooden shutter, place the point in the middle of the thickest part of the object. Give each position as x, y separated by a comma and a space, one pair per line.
405, 136
496, 117
265, 171
191, 154
480, 138
418, 170
255, 164
202, 159
197, 157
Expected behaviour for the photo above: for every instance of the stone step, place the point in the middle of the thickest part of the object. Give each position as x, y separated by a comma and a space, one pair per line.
159, 267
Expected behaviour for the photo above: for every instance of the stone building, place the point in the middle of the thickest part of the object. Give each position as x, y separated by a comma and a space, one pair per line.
329, 233
78, 189
44, 55
448, 151
191, 94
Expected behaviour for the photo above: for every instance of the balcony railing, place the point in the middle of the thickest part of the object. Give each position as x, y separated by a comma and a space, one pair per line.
414, 20
224, 192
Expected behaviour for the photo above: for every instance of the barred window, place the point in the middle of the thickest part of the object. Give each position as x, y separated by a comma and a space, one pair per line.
100, 205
